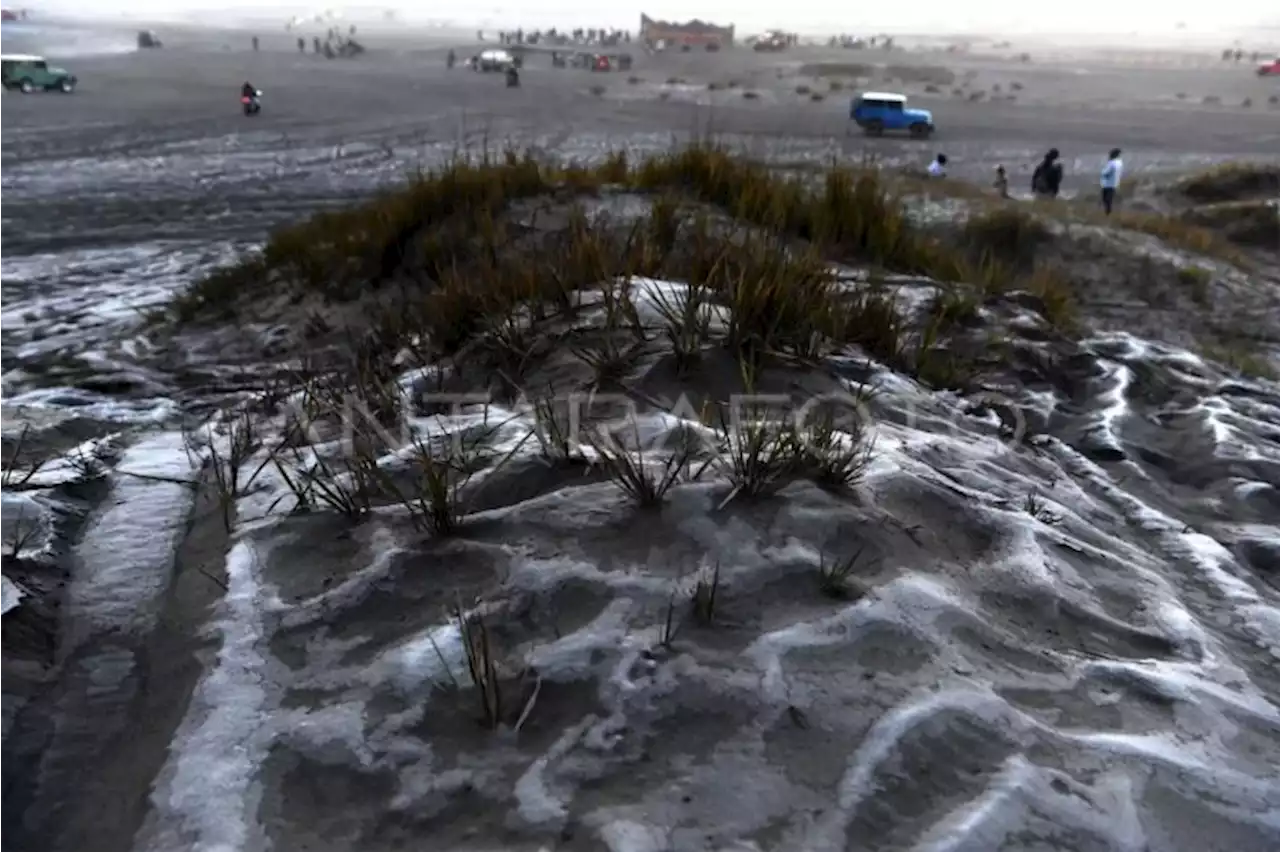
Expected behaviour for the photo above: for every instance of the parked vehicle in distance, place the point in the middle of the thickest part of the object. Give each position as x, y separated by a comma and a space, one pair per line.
876, 112
771, 42
29, 73
1269, 69
494, 60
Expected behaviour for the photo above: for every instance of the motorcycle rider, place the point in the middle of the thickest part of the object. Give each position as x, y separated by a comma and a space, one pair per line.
248, 91
513, 76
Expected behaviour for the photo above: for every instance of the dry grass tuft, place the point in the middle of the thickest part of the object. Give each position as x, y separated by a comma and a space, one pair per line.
645, 481
1244, 223
442, 273
705, 594
1008, 233
1243, 359
1196, 280
834, 450
1231, 182
836, 577
16, 474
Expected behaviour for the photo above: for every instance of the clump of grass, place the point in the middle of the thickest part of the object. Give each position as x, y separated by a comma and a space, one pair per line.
705, 594
435, 496
954, 307
1034, 506
762, 452
645, 482
671, 623
835, 453
238, 434
475, 298
1181, 232
611, 351
1057, 300
1196, 280
686, 322
1007, 233
763, 457
777, 303
15, 474
1243, 359
445, 228
340, 254
836, 577
1231, 182
1245, 223
487, 676
554, 432
803, 89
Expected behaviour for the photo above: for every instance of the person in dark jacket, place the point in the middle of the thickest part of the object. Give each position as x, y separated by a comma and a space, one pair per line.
248, 91
1047, 178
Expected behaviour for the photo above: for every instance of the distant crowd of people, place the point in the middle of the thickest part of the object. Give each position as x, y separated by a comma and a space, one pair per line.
335, 43
591, 35
849, 42
1046, 180
1235, 54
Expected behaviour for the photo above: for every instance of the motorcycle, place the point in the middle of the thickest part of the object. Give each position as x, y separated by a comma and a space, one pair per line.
513, 78
251, 103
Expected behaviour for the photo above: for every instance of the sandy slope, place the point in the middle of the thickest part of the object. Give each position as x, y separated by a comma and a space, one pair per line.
1054, 641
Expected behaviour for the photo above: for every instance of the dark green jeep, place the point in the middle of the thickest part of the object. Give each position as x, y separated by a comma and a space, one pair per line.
31, 73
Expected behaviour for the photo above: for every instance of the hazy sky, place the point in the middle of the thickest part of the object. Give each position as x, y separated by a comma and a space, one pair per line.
1148, 16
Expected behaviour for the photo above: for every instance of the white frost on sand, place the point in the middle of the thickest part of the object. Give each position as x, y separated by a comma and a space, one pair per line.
206, 798
13, 595
127, 552
1089, 630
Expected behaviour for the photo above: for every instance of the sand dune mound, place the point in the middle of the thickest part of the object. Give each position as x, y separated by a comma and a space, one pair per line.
673, 505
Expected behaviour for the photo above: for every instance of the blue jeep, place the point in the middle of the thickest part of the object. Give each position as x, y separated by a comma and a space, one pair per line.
876, 112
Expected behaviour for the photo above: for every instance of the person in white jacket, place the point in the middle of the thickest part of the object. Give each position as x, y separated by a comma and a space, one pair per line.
1111, 174
938, 168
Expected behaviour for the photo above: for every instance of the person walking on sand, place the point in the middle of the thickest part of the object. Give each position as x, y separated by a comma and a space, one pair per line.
1002, 182
938, 168
1046, 180
1111, 174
